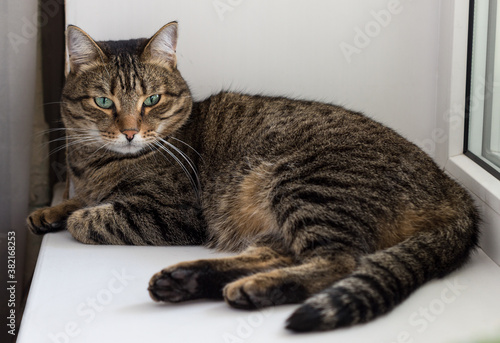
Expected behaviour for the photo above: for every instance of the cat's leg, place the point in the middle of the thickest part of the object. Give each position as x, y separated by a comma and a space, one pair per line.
287, 285
94, 225
134, 222
52, 218
207, 278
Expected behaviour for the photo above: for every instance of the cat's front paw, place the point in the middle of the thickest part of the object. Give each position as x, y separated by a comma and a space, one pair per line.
88, 225
175, 284
46, 220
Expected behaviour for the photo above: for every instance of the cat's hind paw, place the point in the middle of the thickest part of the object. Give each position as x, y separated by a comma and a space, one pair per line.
255, 292
174, 285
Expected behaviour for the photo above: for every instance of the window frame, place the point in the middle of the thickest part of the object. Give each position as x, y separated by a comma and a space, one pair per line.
451, 120
488, 100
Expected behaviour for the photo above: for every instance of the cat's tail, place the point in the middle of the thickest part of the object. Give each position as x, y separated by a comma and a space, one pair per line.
384, 279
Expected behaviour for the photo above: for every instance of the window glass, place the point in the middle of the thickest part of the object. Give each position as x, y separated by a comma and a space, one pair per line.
482, 141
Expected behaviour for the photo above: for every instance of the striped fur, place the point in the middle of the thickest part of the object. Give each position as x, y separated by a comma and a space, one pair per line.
326, 206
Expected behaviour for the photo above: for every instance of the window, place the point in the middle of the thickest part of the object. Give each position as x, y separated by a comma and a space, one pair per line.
482, 139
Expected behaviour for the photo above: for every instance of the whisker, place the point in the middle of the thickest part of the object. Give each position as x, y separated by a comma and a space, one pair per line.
102, 146
54, 141
189, 146
186, 158
43, 132
71, 129
179, 162
70, 139
154, 146
82, 141
51, 103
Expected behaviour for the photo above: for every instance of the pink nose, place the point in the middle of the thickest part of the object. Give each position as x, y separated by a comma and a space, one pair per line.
130, 133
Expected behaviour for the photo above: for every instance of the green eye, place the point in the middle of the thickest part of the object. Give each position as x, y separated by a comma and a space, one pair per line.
152, 100
103, 102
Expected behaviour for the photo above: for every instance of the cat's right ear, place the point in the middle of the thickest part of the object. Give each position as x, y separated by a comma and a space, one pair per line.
83, 50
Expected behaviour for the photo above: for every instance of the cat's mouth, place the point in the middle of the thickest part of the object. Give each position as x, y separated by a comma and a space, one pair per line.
123, 145
125, 148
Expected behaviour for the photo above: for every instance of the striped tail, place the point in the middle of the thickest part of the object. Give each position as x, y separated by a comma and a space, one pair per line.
386, 278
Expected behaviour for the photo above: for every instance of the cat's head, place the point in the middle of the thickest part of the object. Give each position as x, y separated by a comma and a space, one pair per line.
124, 95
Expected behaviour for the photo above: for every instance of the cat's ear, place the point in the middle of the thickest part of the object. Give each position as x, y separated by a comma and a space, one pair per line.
83, 50
161, 47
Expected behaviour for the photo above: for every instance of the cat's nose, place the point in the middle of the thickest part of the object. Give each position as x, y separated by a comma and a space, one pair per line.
130, 133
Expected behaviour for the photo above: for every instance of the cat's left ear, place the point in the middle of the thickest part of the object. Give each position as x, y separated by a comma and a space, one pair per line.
161, 47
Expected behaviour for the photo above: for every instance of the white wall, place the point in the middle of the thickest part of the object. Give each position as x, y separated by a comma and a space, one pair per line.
294, 48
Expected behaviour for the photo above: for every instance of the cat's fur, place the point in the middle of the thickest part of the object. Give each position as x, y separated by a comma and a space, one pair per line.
327, 206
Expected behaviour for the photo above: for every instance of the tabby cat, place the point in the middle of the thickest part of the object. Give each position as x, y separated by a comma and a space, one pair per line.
326, 206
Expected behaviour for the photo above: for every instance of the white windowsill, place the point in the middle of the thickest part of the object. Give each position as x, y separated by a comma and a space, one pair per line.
485, 188
83, 293
484, 185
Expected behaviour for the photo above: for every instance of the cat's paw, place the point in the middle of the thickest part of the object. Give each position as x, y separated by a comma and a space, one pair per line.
80, 227
46, 220
253, 292
88, 225
175, 284
263, 290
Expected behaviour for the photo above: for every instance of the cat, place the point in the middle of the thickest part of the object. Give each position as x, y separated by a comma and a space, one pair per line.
325, 206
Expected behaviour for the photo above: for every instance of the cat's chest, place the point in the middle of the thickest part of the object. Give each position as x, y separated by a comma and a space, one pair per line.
97, 180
